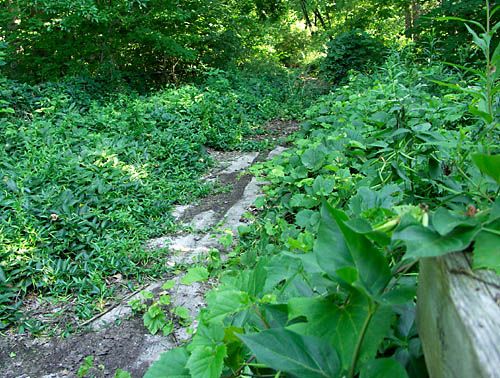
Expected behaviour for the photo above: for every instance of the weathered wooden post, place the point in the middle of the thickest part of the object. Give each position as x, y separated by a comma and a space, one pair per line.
458, 317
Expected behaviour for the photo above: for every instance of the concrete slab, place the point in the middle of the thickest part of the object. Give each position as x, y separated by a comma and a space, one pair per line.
240, 163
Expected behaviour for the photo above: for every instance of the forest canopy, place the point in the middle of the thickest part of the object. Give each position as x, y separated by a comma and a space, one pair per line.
166, 41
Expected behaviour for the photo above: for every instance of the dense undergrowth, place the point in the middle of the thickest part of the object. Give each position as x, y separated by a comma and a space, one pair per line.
88, 175
323, 284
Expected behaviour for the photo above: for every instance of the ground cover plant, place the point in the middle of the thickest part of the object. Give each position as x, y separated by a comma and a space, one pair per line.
390, 168
87, 177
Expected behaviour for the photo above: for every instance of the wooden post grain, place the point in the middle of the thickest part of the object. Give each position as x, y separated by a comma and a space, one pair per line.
458, 317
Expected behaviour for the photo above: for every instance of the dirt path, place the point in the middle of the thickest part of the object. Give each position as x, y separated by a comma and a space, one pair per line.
118, 339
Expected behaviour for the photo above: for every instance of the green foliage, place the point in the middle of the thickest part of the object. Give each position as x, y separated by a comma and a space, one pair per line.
171, 364
452, 38
83, 184
380, 175
352, 50
304, 356
152, 38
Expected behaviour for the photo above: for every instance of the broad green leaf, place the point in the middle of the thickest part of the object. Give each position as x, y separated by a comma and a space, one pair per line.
165, 300
489, 165
323, 186
303, 201
207, 362
235, 350
276, 315
230, 334
303, 218
280, 268
444, 221
424, 242
254, 286
380, 118
495, 210
309, 261
401, 294
341, 326
154, 319
171, 364
290, 352
330, 248
195, 274
182, 312
147, 294
383, 368
487, 247
361, 226
313, 158
224, 302
251, 281
372, 265
207, 335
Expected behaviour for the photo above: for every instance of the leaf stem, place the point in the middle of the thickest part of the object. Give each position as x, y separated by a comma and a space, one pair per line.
373, 309
478, 188
488, 71
266, 326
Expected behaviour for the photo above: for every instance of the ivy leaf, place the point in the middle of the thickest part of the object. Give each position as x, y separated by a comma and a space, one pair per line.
383, 368
341, 326
207, 362
196, 274
303, 356
171, 364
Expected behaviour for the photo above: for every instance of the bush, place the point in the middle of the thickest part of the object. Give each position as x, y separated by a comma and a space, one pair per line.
355, 50
452, 42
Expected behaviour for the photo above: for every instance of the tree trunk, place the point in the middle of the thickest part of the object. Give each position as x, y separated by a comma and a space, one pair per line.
320, 18
303, 5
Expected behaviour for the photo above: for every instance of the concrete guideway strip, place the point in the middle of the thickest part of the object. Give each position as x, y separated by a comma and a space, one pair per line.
186, 248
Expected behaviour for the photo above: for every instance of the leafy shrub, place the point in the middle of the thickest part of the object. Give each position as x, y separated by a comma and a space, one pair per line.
353, 50
348, 209
86, 178
451, 36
